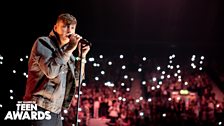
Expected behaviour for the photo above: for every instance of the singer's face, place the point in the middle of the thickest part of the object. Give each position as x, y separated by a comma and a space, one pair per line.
64, 30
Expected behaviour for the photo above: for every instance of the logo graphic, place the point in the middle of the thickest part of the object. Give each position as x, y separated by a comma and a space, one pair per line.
27, 110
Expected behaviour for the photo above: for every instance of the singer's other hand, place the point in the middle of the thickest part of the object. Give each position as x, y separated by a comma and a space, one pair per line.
85, 49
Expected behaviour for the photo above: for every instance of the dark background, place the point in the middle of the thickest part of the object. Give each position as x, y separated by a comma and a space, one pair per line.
172, 23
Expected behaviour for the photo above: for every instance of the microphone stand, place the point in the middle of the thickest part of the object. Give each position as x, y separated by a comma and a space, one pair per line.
79, 87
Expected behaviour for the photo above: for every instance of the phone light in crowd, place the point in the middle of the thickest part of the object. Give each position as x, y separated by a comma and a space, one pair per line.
114, 91
154, 79
11, 97
65, 111
121, 56
200, 68
109, 84
141, 114
125, 76
102, 72
96, 65
101, 56
139, 69
122, 84
179, 80
153, 88
123, 67
169, 99
160, 82
11, 91
175, 74
158, 68
137, 100
1, 106
141, 98
144, 58
79, 109
143, 82
162, 77
163, 72
186, 83
177, 66
76, 96
184, 92
164, 115
168, 76
132, 79
202, 57
91, 59
25, 74
123, 99
217, 106
157, 86
26, 56
127, 89
21, 59
149, 99
1, 59
170, 61
178, 71
193, 57
83, 84
62, 118
201, 62
168, 66
220, 123
109, 63
96, 78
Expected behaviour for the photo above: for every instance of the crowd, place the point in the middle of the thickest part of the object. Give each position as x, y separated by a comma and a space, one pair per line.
171, 95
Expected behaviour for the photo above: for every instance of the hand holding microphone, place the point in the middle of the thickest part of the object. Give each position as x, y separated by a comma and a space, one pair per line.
77, 40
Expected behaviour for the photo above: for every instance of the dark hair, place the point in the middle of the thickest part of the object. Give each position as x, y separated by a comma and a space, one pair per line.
67, 18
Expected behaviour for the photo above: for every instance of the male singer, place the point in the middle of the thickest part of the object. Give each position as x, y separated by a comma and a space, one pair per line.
53, 71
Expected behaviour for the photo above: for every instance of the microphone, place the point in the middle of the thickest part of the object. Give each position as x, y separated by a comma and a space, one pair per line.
83, 41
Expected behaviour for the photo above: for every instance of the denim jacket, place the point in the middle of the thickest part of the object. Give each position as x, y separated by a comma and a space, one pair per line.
51, 75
